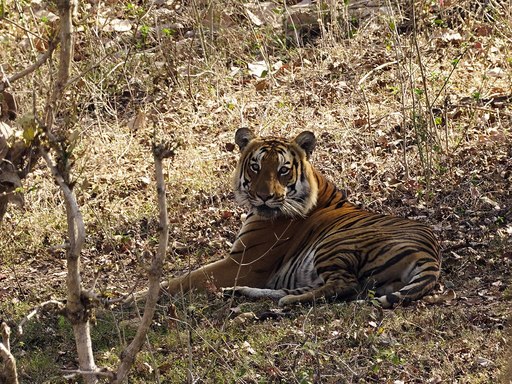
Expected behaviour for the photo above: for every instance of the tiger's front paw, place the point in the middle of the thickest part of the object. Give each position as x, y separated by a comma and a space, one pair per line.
232, 292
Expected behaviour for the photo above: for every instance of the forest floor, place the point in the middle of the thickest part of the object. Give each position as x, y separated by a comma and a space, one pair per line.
413, 119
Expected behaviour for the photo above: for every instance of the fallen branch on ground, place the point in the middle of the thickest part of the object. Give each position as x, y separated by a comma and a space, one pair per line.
60, 305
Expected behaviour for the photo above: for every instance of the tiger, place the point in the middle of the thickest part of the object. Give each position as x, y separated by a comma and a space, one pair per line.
302, 240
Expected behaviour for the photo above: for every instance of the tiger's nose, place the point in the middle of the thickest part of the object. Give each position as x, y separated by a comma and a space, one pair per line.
265, 196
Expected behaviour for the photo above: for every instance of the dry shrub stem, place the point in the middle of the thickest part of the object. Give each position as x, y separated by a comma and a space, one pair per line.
399, 54
427, 155
66, 54
10, 374
154, 273
202, 39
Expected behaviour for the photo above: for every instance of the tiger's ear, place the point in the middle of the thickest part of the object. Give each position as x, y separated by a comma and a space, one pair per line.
307, 141
243, 136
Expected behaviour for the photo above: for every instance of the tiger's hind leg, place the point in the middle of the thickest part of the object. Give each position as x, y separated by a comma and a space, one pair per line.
422, 281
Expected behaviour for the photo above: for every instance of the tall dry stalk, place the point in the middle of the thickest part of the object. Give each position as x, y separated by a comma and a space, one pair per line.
160, 152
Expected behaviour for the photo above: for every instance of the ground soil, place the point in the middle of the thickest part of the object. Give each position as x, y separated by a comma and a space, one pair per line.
192, 77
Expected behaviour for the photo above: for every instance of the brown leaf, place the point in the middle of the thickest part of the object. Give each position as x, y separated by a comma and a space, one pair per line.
262, 85
483, 30
226, 215
41, 45
9, 108
138, 122
230, 147
358, 123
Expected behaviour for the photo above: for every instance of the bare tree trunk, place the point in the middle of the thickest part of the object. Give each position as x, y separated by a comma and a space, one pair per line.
155, 271
76, 310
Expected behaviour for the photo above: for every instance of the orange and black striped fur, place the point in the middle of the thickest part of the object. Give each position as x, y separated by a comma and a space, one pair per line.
302, 240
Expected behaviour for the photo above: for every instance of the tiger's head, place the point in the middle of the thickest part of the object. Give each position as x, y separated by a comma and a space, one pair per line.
274, 177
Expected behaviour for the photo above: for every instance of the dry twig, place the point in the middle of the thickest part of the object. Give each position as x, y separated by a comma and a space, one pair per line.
31, 68
60, 305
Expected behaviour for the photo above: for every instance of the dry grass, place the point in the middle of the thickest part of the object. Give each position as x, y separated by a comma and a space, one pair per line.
185, 72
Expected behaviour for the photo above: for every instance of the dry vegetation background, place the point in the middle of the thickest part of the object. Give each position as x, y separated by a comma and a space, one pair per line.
412, 118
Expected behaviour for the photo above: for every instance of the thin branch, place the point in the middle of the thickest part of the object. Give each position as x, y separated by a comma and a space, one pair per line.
72, 373
66, 54
6, 333
60, 305
155, 271
455, 64
382, 66
28, 31
399, 53
11, 374
428, 105
77, 238
97, 64
93, 296
42, 59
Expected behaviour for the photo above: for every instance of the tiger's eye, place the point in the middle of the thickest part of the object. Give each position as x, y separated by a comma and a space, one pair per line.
255, 167
283, 171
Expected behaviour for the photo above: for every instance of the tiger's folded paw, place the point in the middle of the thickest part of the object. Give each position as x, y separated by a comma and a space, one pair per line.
232, 292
